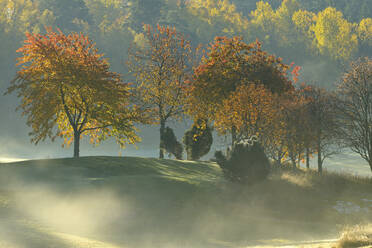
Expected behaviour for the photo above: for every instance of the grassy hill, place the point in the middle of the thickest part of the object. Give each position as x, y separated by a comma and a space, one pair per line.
139, 202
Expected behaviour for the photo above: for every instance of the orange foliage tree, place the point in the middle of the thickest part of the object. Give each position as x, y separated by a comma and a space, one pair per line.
249, 110
229, 64
294, 133
67, 90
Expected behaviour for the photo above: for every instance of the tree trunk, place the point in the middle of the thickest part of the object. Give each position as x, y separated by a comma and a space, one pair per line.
320, 162
294, 163
76, 144
233, 136
319, 150
307, 158
279, 161
370, 164
162, 130
293, 160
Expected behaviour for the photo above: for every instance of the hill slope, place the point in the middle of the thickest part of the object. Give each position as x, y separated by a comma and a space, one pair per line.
139, 202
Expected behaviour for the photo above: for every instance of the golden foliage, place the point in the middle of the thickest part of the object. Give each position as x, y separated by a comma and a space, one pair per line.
365, 31
228, 64
334, 35
248, 109
161, 67
67, 90
221, 14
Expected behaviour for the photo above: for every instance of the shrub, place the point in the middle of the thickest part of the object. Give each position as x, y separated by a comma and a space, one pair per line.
170, 144
246, 163
198, 140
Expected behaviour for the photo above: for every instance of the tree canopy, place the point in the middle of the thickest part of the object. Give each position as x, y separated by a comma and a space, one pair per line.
67, 90
228, 64
161, 67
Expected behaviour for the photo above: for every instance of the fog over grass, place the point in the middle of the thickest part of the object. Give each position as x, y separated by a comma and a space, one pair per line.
138, 202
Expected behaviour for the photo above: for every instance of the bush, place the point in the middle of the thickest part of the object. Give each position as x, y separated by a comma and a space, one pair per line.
198, 141
170, 144
246, 163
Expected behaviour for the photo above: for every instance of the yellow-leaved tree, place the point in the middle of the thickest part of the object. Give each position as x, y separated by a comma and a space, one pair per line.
365, 36
286, 34
334, 35
365, 31
303, 20
216, 17
161, 68
67, 90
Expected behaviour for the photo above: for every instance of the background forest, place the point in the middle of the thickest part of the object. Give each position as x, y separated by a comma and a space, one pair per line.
320, 36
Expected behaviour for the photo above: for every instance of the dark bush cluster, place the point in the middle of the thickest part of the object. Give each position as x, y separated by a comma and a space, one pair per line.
170, 144
245, 163
198, 141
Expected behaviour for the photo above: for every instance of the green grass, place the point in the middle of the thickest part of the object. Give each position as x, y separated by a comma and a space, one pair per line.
143, 202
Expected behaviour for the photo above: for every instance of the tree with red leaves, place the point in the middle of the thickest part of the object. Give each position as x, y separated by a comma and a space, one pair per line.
229, 64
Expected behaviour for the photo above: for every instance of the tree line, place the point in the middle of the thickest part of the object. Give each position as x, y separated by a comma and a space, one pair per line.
68, 90
302, 31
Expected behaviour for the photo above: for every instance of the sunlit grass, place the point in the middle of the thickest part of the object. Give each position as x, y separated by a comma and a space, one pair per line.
11, 160
357, 236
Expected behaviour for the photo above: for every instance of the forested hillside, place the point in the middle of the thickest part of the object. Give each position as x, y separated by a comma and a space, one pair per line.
352, 10
304, 32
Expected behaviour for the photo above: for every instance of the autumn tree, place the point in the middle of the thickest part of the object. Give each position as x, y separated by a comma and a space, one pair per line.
253, 110
161, 67
355, 106
273, 139
306, 92
263, 21
248, 110
322, 129
334, 35
303, 21
209, 18
294, 135
67, 90
229, 64
365, 36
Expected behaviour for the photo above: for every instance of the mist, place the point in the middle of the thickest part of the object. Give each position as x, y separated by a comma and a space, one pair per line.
112, 197
148, 203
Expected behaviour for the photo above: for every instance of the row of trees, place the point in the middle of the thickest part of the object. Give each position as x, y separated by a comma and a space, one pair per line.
67, 90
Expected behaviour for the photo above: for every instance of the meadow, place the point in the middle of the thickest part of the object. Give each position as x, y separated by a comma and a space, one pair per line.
142, 202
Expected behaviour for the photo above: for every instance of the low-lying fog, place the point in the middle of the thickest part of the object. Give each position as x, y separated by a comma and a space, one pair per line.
96, 203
